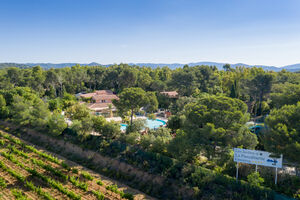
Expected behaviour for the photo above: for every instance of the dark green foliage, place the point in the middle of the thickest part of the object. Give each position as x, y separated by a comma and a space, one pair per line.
12, 172
87, 175
255, 179
2, 183
132, 99
115, 189
75, 170
99, 195
39, 191
206, 123
285, 94
99, 182
18, 194
136, 126
283, 134
75, 181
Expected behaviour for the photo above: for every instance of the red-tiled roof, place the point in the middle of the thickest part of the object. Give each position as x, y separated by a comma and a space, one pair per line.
105, 97
100, 94
104, 92
88, 95
170, 93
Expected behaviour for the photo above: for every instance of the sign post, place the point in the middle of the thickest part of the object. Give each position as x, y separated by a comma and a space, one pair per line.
256, 158
276, 177
237, 171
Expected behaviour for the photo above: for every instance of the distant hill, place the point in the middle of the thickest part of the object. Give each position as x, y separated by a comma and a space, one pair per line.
3, 65
291, 68
44, 65
60, 65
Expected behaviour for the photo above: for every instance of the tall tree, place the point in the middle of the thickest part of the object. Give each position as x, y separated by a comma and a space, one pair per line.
131, 99
285, 94
128, 78
283, 135
227, 67
260, 86
215, 121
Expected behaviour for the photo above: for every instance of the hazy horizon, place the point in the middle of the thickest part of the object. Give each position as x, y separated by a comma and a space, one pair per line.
82, 63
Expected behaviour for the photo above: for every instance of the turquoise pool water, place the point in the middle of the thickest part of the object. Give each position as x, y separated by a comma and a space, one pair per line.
152, 124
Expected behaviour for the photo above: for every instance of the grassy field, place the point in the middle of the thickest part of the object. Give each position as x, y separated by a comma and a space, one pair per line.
28, 173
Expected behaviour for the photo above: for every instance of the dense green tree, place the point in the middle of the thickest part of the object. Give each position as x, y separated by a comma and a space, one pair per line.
156, 140
15, 76
234, 92
285, 94
128, 78
39, 114
176, 122
184, 82
55, 104
51, 82
56, 124
144, 81
68, 100
163, 101
207, 79
254, 179
136, 126
177, 107
227, 67
283, 135
78, 112
152, 103
216, 121
20, 110
83, 127
222, 111
37, 79
106, 129
260, 86
131, 99
158, 85
4, 111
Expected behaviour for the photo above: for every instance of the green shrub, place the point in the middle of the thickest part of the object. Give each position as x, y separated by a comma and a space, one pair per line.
87, 175
99, 182
114, 188
18, 152
2, 183
99, 195
18, 194
127, 196
12, 172
50, 169
74, 180
44, 155
254, 179
65, 165
75, 170
39, 191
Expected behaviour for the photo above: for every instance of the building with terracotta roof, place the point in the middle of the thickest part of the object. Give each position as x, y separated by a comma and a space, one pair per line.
100, 96
100, 101
170, 94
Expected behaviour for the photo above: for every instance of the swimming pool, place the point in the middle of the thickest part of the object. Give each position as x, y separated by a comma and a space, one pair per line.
152, 124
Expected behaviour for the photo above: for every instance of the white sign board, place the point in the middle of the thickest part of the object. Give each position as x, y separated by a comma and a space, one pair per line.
256, 158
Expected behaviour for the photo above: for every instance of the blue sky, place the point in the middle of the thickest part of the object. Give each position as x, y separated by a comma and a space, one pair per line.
158, 31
